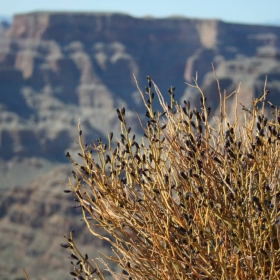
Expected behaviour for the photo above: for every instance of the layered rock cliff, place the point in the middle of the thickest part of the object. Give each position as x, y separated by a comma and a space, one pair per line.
59, 68
56, 68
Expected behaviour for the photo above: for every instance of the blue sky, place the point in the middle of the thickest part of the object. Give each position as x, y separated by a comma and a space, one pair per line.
247, 11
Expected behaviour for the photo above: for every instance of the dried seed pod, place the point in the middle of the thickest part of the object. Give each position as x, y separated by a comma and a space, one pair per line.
182, 230
67, 191
208, 111
108, 159
199, 163
144, 158
250, 156
193, 125
147, 114
217, 160
200, 189
183, 175
166, 179
263, 251
191, 154
231, 196
187, 103
239, 144
227, 144
149, 81
125, 272
72, 256
197, 114
79, 195
65, 245
256, 199
111, 136
137, 157
231, 153
258, 141
120, 117
195, 175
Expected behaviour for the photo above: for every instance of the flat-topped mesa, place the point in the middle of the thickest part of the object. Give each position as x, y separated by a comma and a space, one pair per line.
65, 27
41, 25
31, 26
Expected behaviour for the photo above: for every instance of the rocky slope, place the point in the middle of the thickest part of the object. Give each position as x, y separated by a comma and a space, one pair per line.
59, 68
34, 220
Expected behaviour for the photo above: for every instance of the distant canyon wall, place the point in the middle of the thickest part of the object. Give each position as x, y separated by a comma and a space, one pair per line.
57, 68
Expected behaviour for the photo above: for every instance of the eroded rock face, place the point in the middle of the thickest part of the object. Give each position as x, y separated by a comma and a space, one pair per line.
249, 73
34, 220
59, 68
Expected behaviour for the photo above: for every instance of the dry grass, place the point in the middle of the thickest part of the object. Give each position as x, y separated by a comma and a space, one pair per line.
192, 201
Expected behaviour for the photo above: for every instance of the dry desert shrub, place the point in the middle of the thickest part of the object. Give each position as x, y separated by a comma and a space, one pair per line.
196, 198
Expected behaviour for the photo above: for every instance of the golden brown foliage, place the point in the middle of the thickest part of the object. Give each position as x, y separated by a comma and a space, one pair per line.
196, 199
